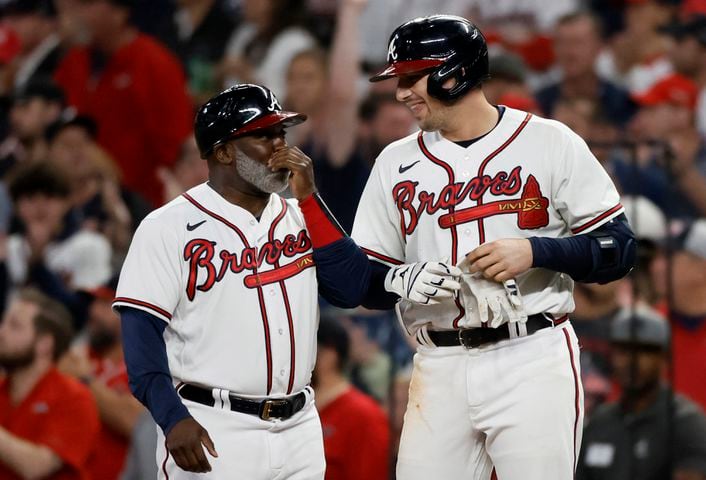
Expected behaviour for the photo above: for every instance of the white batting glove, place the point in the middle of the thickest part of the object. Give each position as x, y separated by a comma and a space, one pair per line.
495, 300
424, 283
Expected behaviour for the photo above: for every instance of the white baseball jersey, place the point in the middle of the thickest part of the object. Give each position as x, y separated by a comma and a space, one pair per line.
239, 295
429, 199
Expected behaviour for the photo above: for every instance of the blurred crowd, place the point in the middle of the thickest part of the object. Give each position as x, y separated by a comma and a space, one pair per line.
97, 99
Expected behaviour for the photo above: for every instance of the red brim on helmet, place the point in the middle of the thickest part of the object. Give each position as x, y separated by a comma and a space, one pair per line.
406, 67
283, 118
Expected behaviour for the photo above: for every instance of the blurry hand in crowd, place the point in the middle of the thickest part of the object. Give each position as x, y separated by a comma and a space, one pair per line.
188, 171
685, 147
76, 363
41, 216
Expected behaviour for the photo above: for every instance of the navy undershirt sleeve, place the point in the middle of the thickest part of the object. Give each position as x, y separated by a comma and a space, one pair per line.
148, 367
343, 273
377, 298
581, 256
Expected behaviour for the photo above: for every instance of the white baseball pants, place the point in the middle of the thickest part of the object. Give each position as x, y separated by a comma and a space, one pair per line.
512, 410
254, 449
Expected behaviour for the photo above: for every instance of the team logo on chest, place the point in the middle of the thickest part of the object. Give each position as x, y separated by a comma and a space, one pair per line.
207, 266
531, 207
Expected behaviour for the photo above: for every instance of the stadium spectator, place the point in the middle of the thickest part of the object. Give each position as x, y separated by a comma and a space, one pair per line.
356, 431
51, 251
508, 76
637, 58
188, 171
101, 367
134, 88
262, 47
596, 307
197, 32
577, 42
688, 56
97, 198
35, 22
687, 310
647, 434
48, 421
670, 163
326, 90
34, 108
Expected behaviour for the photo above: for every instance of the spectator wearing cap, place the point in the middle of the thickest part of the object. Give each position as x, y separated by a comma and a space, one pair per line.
50, 250
688, 55
97, 198
687, 311
669, 167
648, 433
101, 367
34, 108
35, 22
577, 42
348, 416
197, 32
134, 88
48, 420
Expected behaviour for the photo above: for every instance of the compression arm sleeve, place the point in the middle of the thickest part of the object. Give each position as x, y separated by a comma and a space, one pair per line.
148, 368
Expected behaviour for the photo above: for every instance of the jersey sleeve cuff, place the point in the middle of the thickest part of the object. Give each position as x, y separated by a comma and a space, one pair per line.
323, 227
372, 254
142, 305
599, 220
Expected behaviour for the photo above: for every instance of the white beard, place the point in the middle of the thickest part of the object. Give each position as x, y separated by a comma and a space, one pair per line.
259, 175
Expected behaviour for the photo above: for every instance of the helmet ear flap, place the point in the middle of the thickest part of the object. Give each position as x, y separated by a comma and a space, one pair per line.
455, 70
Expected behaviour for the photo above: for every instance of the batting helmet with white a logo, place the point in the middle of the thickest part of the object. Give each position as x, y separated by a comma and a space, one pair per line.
446, 46
240, 110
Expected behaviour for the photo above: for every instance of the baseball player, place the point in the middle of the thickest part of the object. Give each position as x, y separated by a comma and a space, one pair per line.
477, 225
218, 301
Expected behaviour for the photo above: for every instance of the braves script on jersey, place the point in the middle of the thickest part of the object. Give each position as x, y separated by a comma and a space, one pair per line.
239, 295
431, 199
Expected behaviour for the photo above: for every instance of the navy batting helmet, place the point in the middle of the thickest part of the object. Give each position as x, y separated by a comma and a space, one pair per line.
445, 45
240, 110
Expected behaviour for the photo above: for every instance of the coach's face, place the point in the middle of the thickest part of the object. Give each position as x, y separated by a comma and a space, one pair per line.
250, 155
429, 112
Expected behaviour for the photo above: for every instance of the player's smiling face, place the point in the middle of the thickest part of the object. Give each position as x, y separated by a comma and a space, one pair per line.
428, 111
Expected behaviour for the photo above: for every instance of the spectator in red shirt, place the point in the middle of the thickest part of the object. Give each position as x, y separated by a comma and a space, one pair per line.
687, 311
135, 90
102, 368
356, 431
48, 421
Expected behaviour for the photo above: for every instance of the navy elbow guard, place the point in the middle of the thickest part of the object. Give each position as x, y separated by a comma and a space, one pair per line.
613, 250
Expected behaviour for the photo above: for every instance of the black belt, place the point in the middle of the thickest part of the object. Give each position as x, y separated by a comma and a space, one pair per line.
477, 337
281, 408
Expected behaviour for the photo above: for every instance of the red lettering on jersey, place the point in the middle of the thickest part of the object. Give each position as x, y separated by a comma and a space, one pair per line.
405, 194
199, 253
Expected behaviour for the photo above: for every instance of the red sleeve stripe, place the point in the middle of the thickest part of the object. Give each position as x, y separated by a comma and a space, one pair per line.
140, 303
382, 257
596, 220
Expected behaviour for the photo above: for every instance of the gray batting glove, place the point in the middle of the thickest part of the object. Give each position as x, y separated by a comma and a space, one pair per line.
424, 283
